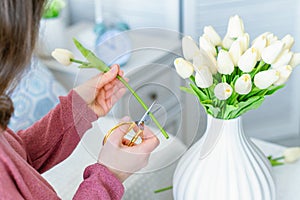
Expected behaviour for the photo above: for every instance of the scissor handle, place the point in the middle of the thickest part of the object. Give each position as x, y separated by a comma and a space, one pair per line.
131, 126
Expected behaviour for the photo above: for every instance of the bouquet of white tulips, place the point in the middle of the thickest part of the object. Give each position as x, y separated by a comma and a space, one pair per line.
232, 76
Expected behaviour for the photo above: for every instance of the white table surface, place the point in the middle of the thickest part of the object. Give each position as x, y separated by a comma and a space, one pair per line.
66, 176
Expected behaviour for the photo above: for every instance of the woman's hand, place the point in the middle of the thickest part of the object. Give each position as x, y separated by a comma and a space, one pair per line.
102, 91
123, 160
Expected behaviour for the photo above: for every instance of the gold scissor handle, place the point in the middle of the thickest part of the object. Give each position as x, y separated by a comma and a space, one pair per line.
131, 126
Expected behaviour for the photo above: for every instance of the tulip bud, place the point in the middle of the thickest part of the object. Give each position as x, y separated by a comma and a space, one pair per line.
295, 60
243, 84
261, 36
265, 79
212, 35
291, 154
244, 41
205, 59
189, 47
271, 53
224, 63
63, 56
206, 45
227, 42
203, 77
235, 52
284, 74
288, 41
235, 27
184, 68
259, 44
223, 91
283, 59
248, 60
271, 38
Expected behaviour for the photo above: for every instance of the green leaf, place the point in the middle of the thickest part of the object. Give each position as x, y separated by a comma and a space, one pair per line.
187, 90
228, 111
244, 106
273, 89
91, 57
214, 111
274, 161
198, 92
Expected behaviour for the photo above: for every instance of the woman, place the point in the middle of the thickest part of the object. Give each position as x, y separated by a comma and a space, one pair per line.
26, 154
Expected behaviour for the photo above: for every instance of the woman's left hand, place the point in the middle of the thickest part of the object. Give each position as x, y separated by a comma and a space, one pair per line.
102, 91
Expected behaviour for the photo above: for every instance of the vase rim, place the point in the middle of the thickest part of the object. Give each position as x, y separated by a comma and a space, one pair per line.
233, 119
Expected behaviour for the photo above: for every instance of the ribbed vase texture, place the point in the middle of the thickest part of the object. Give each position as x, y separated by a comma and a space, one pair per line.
224, 165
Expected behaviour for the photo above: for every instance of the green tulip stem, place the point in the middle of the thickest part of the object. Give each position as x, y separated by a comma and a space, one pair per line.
78, 61
143, 105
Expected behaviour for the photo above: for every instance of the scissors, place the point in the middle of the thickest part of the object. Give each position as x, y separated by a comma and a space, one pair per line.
132, 124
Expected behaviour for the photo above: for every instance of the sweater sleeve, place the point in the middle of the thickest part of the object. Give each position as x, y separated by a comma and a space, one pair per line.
99, 183
53, 138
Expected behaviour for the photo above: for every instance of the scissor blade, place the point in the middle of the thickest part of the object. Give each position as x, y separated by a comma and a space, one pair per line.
146, 113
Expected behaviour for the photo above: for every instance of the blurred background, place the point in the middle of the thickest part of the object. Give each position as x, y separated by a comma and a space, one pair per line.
152, 41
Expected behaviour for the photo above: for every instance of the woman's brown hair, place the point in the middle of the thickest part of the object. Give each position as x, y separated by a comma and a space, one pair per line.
19, 25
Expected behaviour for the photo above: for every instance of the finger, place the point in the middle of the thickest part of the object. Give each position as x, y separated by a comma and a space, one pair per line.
118, 135
109, 76
149, 141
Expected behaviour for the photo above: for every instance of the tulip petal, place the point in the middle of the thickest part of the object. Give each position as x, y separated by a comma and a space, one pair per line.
291, 154
224, 63
284, 74
203, 77
235, 52
283, 59
223, 91
235, 27
63, 56
184, 68
295, 60
207, 46
248, 60
205, 59
271, 53
189, 47
212, 35
243, 84
265, 79
288, 41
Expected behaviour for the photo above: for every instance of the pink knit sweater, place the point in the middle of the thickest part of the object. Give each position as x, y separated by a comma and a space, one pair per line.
26, 154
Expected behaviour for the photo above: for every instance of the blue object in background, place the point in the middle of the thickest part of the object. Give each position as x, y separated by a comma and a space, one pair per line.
36, 94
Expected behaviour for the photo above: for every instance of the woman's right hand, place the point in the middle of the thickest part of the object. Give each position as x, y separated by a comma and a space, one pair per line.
123, 160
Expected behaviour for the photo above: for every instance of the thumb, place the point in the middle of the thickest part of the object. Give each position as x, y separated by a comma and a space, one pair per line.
118, 134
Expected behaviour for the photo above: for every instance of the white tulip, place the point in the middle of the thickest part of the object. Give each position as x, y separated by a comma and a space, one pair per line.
271, 53
206, 45
283, 59
63, 56
235, 52
271, 38
265, 79
243, 84
235, 27
223, 91
248, 60
189, 47
212, 35
224, 62
244, 41
284, 74
227, 42
288, 40
291, 154
259, 44
183, 67
205, 59
295, 60
263, 35
203, 77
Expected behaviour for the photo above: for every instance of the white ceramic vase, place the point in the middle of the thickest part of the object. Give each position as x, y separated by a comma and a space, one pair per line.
224, 165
